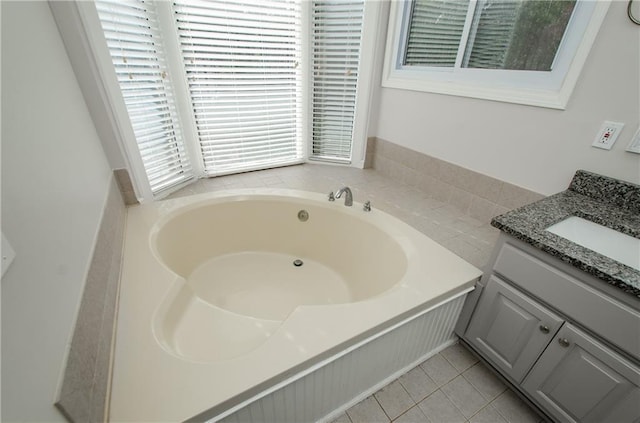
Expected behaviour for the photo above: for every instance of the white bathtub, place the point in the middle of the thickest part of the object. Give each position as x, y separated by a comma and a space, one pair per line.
226, 295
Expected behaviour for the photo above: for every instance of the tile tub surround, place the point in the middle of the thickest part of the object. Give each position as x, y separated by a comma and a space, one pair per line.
603, 200
126, 186
475, 194
84, 393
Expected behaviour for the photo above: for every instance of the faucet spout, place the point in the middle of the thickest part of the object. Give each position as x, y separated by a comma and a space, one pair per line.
348, 198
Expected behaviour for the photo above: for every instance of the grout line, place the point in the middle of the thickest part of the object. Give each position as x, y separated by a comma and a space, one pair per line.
380, 405
407, 410
497, 409
477, 388
451, 401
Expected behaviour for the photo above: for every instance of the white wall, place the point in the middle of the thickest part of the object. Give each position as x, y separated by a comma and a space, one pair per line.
54, 184
535, 148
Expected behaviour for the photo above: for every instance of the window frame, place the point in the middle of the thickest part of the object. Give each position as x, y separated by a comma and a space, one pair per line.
543, 89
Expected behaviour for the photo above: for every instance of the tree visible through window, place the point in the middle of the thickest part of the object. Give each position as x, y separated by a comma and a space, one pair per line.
537, 34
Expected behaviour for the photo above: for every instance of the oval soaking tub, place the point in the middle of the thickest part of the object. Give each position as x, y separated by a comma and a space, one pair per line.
273, 301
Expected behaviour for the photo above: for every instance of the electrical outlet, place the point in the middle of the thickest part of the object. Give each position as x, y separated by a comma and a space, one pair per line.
608, 134
634, 145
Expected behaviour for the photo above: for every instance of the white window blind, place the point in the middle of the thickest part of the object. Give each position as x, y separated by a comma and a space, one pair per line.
243, 65
135, 45
336, 40
435, 31
247, 99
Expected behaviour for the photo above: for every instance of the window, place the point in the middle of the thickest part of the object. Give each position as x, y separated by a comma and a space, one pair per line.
222, 86
336, 31
243, 67
136, 49
519, 51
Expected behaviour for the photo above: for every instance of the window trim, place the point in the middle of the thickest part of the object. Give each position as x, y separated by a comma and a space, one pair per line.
83, 38
373, 20
526, 87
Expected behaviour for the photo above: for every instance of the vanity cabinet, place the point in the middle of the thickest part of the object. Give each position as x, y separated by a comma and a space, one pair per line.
572, 349
511, 328
577, 379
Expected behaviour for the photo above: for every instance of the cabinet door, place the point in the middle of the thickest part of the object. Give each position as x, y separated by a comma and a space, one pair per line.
578, 379
510, 329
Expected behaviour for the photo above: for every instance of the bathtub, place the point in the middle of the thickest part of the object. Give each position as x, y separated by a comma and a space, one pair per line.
257, 305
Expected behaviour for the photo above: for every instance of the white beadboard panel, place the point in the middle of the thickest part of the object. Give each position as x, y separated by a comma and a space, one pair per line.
347, 378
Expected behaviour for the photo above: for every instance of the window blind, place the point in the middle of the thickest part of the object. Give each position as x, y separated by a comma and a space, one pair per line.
336, 39
434, 32
491, 34
243, 65
134, 42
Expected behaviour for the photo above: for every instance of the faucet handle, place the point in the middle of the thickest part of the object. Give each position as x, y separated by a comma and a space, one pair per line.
331, 196
367, 206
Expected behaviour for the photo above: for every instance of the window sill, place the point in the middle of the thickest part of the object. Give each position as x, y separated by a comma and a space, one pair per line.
538, 97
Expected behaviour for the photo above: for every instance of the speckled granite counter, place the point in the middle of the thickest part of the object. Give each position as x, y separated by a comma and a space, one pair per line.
609, 202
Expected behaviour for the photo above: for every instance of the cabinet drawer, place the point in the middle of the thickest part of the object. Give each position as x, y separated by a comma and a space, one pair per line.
603, 315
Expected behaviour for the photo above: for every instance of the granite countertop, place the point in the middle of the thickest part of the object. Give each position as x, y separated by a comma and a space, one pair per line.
607, 201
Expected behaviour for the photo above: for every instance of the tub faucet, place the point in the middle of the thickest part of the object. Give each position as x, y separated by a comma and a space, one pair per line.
348, 199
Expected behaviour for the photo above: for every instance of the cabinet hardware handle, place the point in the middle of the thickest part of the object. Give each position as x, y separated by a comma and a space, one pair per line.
544, 328
564, 342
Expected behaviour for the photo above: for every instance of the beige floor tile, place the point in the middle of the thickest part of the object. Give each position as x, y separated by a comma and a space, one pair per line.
367, 411
438, 408
414, 415
394, 399
483, 379
459, 357
513, 409
487, 415
418, 384
439, 370
464, 396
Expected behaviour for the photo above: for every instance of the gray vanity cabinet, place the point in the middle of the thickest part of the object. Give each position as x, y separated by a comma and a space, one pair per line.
565, 340
511, 329
577, 379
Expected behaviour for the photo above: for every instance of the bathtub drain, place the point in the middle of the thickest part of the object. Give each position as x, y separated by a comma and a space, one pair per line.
298, 262
303, 215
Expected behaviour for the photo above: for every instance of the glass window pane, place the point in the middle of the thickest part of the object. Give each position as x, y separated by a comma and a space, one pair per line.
434, 33
517, 34
335, 53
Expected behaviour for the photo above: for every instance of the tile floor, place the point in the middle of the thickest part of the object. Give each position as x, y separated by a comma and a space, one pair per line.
450, 387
